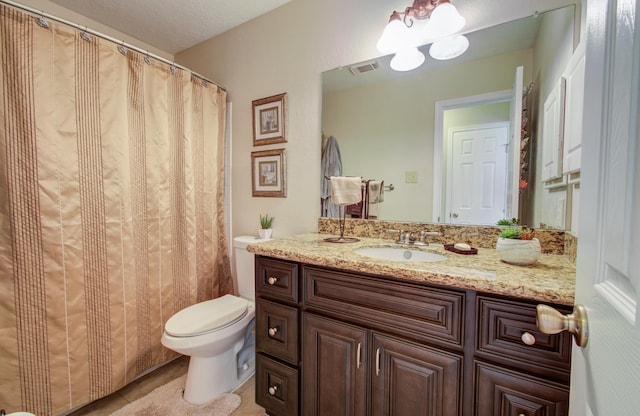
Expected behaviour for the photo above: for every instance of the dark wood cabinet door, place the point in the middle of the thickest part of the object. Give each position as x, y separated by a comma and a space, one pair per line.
335, 375
502, 392
412, 379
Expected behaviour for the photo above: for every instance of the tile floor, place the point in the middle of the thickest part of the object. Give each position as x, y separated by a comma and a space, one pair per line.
157, 378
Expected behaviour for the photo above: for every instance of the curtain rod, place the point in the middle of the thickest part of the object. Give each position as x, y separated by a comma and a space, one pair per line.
40, 13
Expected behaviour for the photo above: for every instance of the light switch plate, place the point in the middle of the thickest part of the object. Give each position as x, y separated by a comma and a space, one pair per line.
411, 176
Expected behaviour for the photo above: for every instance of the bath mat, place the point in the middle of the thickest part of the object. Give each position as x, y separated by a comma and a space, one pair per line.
167, 400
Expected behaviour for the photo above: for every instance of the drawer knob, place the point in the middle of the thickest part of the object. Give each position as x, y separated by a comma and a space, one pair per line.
273, 390
272, 280
273, 331
550, 321
528, 339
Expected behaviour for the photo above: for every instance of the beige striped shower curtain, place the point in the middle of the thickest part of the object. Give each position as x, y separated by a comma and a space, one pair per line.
111, 211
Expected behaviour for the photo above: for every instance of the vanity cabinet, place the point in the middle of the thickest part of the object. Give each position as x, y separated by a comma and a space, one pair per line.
277, 376
345, 343
351, 370
519, 371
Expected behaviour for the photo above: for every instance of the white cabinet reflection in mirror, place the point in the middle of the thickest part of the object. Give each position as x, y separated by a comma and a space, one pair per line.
553, 119
573, 78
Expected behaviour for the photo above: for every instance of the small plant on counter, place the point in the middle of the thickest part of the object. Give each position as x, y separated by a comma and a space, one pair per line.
518, 234
509, 222
266, 221
518, 245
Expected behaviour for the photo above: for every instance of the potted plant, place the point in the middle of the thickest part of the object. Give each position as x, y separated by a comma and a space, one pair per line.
265, 226
518, 246
506, 222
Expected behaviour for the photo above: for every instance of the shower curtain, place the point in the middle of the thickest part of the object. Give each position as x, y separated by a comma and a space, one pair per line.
111, 211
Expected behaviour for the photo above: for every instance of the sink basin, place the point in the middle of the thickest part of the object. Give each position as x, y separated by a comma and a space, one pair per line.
399, 254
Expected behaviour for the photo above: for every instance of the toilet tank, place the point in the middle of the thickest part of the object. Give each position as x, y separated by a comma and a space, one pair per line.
244, 265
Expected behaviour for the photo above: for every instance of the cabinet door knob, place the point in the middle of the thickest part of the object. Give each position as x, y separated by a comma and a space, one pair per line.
550, 321
272, 280
528, 339
273, 331
273, 390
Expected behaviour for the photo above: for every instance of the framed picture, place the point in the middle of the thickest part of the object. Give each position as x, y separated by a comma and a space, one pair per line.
268, 174
269, 120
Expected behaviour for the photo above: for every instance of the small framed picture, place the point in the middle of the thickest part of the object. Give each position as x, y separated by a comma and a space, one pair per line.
268, 173
269, 120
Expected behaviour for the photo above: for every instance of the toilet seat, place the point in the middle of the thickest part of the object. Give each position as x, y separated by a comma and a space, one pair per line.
208, 316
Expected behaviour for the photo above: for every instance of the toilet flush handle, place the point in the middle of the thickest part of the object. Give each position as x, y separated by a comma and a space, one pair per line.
272, 280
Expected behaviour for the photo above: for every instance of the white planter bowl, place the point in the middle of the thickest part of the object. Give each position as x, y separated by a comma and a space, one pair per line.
265, 233
519, 252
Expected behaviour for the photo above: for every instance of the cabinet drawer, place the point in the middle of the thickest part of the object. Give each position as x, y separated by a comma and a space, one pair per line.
277, 330
501, 392
501, 324
419, 312
276, 387
277, 279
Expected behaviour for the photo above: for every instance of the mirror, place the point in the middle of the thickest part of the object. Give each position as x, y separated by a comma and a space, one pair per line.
399, 126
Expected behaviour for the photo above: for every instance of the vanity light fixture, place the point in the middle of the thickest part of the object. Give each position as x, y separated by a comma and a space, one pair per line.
407, 59
449, 48
422, 22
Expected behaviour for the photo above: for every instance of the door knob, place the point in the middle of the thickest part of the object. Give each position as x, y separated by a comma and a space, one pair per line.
550, 321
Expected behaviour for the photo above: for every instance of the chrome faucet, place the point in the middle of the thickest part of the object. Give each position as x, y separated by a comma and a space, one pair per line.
404, 237
421, 241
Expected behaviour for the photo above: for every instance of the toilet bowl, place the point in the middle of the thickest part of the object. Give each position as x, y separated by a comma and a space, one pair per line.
218, 335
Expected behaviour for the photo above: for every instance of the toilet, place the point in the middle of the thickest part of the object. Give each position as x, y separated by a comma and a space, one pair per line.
218, 335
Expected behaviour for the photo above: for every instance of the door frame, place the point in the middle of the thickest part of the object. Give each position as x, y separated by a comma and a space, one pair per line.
439, 137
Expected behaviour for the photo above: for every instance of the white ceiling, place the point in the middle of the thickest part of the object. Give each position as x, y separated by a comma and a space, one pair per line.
171, 25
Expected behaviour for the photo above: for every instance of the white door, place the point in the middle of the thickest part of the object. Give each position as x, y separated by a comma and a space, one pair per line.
605, 378
477, 189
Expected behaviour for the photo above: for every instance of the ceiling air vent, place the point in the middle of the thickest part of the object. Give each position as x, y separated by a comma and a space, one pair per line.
363, 67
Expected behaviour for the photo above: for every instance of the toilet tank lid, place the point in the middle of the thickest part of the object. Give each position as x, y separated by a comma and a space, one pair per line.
244, 240
206, 316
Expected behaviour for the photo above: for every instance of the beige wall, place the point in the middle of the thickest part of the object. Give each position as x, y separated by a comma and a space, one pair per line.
286, 51
386, 129
53, 9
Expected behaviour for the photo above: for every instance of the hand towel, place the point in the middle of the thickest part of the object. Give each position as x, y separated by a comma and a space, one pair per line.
376, 192
346, 190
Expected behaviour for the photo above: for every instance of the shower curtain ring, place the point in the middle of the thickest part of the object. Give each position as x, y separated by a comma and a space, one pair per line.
122, 49
41, 21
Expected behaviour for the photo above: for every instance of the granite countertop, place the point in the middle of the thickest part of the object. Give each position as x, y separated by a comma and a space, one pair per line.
551, 279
